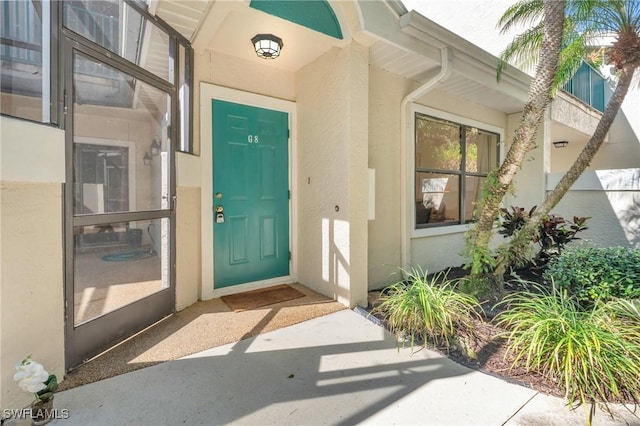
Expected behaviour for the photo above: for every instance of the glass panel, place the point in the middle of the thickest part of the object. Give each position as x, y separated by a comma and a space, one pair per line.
143, 3
481, 150
473, 191
118, 264
118, 27
597, 91
437, 198
184, 91
437, 144
120, 129
21, 55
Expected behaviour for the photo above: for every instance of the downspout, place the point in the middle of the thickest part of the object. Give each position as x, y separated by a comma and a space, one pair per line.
406, 215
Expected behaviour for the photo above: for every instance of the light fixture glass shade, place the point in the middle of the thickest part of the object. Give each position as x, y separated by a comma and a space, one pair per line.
146, 159
560, 144
267, 46
155, 147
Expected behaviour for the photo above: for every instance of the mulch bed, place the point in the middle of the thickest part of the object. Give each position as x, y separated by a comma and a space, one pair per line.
489, 346
492, 358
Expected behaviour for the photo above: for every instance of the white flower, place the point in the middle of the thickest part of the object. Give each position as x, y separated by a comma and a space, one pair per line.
30, 376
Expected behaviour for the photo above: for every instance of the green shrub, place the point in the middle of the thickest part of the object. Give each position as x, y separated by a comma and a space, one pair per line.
429, 308
593, 273
593, 354
554, 233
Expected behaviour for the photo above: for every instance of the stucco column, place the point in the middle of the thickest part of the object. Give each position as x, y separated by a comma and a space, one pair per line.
332, 101
358, 116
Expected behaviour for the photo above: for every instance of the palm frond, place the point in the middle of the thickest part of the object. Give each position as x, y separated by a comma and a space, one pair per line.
526, 13
523, 50
587, 22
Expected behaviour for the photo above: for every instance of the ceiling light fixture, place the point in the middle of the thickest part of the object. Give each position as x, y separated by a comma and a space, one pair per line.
155, 147
560, 144
267, 46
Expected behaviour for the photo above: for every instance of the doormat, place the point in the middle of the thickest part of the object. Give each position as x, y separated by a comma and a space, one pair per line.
262, 297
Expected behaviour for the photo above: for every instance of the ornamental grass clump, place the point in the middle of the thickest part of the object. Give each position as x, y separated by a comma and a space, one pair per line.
593, 354
427, 309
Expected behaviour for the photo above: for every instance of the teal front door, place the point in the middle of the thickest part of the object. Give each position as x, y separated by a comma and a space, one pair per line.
250, 193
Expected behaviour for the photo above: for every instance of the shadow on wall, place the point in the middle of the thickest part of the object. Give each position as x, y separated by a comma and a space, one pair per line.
612, 199
630, 218
623, 192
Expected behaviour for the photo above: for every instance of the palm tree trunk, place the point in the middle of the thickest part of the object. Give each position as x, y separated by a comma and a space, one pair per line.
523, 237
497, 185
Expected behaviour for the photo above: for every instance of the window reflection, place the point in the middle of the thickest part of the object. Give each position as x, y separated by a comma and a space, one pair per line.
21, 55
116, 264
481, 150
437, 198
121, 145
118, 27
438, 145
452, 161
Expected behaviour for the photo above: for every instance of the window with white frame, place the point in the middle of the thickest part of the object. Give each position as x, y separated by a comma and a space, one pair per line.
452, 160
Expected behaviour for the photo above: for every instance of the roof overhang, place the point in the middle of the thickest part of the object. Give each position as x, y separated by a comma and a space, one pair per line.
401, 42
408, 44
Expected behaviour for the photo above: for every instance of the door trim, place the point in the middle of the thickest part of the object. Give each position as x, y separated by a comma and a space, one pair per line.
208, 92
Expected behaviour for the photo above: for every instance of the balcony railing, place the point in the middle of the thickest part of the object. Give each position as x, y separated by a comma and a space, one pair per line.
587, 84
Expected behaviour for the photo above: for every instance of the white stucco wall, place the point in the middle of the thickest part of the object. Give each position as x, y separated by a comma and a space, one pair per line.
529, 184
385, 244
622, 149
332, 103
31, 258
611, 198
188, 277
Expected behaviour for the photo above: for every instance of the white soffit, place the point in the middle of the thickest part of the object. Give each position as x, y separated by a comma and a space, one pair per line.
462, 87
185, 16
398, 61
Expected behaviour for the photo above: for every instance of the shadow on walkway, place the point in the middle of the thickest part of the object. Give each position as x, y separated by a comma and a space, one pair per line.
200, 326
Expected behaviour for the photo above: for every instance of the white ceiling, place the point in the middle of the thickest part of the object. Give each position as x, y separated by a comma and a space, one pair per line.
300, 45
228, 26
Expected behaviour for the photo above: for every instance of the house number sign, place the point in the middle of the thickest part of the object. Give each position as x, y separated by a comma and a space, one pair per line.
252, 138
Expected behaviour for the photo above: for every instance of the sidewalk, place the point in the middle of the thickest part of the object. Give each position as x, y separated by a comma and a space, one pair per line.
338, 369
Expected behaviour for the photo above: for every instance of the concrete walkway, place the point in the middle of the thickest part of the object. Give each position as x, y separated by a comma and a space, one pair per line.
339, 369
